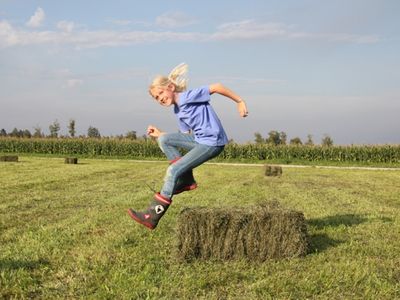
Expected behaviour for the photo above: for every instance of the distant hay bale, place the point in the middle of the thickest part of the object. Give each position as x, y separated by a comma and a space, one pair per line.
71, 160
13, 158
273, 170
257, 233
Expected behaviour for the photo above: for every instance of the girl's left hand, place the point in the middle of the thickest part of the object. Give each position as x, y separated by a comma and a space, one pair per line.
242, 109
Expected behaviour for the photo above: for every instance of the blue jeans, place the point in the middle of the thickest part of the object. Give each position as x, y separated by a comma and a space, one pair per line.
198, 154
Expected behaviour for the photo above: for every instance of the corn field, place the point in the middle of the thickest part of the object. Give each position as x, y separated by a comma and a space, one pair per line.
149, 149
85, 147
365, 153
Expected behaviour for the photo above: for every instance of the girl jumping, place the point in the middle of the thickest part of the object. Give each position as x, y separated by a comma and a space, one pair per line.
201, 133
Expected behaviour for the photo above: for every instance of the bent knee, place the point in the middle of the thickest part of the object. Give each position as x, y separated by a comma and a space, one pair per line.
163, 140
173, 172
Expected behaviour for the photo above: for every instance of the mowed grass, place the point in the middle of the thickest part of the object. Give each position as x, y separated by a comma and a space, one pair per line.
65, 233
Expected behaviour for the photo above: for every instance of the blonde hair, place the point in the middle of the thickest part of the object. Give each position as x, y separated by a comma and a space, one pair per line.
177, 77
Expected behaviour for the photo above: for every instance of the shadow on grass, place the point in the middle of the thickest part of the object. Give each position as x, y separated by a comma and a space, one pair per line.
10, 264
337, 220
321, 241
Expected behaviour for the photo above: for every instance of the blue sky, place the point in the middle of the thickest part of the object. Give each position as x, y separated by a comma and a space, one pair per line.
304, 67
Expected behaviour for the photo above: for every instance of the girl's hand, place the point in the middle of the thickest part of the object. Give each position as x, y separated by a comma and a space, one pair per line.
242, 109
154, 131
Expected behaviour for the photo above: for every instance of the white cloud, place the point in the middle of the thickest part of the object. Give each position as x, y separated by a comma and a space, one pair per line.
336, 37
174, 20
37, 19
94, 39
130, 22
249, 29
73, 83
66, 26
61, 73
121, 22
8, 36
243, 30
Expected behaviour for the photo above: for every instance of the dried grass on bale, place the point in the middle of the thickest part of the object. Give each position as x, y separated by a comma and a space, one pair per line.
273, 170
71, 160
13, 158
257, 233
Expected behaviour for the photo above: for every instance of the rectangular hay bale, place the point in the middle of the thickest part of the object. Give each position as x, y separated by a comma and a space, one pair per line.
13, 158
71, 160
271, 170
261, 232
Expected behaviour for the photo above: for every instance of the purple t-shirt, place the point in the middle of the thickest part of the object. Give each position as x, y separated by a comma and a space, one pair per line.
195, 113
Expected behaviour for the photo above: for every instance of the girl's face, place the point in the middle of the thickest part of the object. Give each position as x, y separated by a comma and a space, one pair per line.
165, 96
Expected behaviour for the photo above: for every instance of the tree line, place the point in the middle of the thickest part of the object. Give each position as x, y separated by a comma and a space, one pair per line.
280, 138
54, 132
274, 137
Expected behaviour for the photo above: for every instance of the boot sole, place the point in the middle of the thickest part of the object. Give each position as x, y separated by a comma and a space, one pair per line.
135, 218
187, 188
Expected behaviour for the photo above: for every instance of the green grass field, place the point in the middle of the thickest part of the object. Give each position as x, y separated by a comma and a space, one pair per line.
65, 233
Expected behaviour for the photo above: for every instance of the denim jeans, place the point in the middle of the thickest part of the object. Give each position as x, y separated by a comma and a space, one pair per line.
197, 154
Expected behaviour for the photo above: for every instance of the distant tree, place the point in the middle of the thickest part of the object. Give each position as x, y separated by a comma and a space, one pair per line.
71, 128
258, 138
15, 133
274, 138
93, 132
327, 141
3, 132
309, 141
131, 135
283, 138
296, 141
54, 129
26, 134
37, 132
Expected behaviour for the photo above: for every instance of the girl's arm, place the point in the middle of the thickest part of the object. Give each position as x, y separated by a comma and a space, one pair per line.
222, 90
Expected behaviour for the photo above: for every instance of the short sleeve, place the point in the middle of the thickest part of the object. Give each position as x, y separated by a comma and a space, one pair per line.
198, 95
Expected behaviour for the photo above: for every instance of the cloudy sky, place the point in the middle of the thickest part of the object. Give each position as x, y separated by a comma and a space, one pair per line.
303, 66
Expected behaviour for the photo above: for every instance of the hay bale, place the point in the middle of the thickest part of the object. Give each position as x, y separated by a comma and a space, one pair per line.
13, 158
271, 170
257, 233
71, 160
